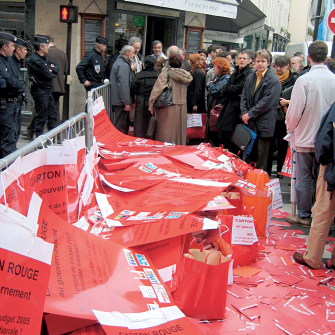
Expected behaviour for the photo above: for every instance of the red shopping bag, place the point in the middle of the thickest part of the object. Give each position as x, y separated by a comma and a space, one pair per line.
287, 167
242, 254
202, 284
197, 132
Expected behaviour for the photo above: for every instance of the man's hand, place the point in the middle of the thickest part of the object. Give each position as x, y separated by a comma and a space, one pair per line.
87, 83
195, 108
245, 118
133, 66
283, 102
127, 108
285, 109
52, 65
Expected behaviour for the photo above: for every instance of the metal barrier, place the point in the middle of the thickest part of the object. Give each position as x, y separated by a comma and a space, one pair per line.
105, 92
27, 107
67, 130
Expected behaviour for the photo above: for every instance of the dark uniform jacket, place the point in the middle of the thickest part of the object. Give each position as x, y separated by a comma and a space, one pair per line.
121, 79
325, 146
39, 68
141, 88
230, 115
196, 92
91, 68
14, 86
17, 68
58, 57
261, 104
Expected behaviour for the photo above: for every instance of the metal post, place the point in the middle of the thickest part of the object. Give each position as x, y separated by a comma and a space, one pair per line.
317, 20
333, 48
66, 103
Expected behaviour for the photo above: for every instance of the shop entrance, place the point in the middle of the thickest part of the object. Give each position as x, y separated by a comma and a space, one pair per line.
162, 29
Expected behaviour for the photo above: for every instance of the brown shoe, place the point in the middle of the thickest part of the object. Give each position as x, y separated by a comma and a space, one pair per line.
299, 258
295, 219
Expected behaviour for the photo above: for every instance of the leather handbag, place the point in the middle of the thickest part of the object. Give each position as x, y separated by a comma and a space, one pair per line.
165, 99
213, 116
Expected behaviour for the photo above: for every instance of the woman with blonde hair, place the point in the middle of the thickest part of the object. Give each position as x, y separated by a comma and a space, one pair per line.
196, 90
171, 122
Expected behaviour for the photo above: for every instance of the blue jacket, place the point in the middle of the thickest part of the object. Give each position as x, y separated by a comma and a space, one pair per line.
215, 90
325, 148
261, 104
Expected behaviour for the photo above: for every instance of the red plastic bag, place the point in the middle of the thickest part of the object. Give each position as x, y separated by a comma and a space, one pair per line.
242, 254
197, 132
202, 288
287, 167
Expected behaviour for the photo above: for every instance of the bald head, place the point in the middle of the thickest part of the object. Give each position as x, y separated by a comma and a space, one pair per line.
173, 49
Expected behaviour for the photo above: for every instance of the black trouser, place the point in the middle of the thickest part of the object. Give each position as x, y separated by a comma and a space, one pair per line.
121, 118
282, 145
18, 120
259, 152
8, 129
46, 111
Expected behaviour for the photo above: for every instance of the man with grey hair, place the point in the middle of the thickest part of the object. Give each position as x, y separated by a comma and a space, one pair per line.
121, 79
297, 65
185, 64
136, 43
157, 47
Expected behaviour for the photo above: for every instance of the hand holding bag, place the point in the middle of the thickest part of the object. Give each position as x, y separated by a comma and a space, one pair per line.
165, 99
202, 284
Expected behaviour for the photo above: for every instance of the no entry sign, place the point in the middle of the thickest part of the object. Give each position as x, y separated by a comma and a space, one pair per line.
331, 21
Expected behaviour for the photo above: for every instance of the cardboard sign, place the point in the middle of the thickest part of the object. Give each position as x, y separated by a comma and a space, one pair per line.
274, 187
243, 231
194, 120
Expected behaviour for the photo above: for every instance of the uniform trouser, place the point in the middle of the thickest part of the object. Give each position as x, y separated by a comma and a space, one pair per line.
8, 129
18, 119
305, 183
46, 111
121, 118
323, 213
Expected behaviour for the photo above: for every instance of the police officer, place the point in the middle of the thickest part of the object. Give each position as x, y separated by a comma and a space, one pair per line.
19, 54
41, 72
9, 95
91, 70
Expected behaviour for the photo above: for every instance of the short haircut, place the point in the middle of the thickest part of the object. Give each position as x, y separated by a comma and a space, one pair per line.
125, 49
318, 51
212, 47
18, 46
173, 49
249, 52
298, 54
3, 42
282, 61
234, 54
203, 51
245, 52
134, 39
222, 64
263, 54
225, 54
270, 54
157, 42
221, 54
175, 60
331, 64
221, 48
149, 62
37, 46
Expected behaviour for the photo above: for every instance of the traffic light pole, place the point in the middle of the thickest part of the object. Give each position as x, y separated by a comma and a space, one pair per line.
317, 20
66, 103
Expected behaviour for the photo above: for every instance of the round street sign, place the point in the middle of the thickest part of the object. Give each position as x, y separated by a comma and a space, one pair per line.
331, 21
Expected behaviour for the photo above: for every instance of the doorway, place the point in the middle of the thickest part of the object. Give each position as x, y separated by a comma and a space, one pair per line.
162, 29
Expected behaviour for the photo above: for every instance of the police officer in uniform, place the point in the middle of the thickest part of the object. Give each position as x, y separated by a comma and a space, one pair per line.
41, 72
91, 70
19, 54
9, 95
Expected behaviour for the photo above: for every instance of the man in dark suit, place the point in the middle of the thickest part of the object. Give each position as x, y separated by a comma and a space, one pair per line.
58, 57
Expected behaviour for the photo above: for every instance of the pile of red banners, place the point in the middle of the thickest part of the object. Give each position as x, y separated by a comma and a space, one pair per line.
151, 238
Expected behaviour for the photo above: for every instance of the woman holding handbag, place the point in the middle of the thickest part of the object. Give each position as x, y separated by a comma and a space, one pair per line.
171, 122
221, 68
196, 90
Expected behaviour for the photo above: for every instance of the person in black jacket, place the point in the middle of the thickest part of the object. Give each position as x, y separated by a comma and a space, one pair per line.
141, 88
196, 90
287, 79
41, 73
90, 70
324, 207
259, 103
230, 115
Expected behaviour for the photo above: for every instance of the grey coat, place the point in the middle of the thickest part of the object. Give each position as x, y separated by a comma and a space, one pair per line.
121, 79
261, 104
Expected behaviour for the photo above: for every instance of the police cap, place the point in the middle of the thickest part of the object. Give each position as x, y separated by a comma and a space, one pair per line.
42, 39
22, 42
101, 40
7, 36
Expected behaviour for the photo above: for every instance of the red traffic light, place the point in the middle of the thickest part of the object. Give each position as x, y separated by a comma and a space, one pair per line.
69, 14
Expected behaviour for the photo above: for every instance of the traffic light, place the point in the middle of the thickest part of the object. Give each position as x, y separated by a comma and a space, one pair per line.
69, 14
